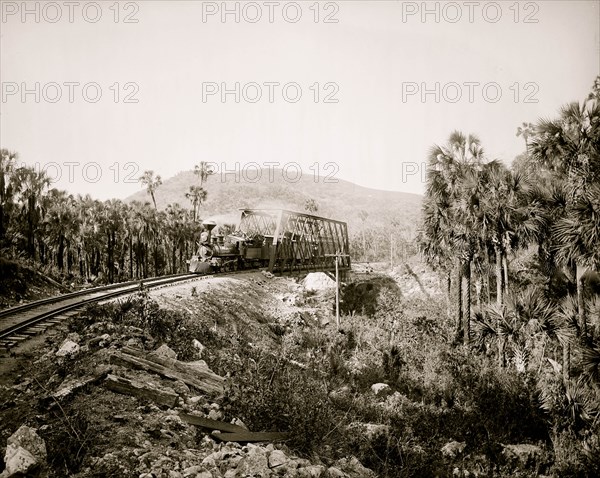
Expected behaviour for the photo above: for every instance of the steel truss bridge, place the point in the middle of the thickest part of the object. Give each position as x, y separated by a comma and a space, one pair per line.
297, 241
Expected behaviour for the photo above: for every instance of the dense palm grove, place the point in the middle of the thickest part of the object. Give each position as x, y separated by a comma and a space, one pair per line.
520, 249
80, 238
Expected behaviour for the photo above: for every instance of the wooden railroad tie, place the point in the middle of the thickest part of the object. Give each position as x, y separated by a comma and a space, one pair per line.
224, 432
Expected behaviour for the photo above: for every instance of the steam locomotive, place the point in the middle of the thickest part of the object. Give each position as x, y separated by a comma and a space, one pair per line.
229, 253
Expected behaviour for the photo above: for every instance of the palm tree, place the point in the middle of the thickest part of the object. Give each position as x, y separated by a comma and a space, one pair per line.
526, 130
577, 236
196, 195
203, 171
60, 225
7, 163
447, 170
311, 205
176, 218
29, 187
363, 215
568, 148
152, 184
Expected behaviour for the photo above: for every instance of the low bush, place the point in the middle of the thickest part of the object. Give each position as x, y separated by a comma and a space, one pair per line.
272, 394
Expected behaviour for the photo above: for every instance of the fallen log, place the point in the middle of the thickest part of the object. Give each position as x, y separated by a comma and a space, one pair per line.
211, 424
141, 390
72, 386
198, 377
248, 437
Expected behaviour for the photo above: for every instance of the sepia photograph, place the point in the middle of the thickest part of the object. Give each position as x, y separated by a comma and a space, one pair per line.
311, 238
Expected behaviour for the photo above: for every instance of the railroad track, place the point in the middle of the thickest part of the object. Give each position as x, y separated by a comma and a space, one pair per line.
20, 323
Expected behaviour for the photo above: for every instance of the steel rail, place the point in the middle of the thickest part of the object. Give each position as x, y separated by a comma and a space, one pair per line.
124, 288
59, 298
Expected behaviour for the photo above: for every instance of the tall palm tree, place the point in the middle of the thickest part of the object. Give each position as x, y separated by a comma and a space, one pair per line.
569, 148
152, 183
60, 225
447, 170
526, 130
29, 186
7, 165
176, 218
196, 195
203, 171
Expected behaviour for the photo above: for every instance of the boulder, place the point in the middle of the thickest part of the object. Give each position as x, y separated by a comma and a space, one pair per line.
354, 468
69, 348
524, 455
381, 389
312, 471
368, 430
316, 281
254, 464
198, 346
334, 472
25, 453
453, 449
277, 458
164, 351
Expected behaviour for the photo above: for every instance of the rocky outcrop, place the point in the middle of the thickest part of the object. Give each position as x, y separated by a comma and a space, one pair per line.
25, 454
522, 456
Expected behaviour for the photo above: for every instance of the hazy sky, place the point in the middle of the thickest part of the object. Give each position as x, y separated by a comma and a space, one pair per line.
160, 68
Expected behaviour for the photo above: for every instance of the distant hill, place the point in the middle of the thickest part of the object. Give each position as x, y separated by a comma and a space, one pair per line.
342, 200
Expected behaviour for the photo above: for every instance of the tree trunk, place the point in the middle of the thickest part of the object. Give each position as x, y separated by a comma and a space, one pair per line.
459, 304
467, 305
581, 301
566, 361
449, 293
130, 257
498, 275
499, 302
174, 257
60, 254
505, 267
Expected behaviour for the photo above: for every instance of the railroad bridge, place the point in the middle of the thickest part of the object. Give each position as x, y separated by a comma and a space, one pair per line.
299, 242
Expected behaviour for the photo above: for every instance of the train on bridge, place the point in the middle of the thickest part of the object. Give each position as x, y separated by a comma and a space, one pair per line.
276, 239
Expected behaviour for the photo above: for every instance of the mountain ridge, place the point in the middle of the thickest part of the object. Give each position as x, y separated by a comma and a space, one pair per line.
337, 199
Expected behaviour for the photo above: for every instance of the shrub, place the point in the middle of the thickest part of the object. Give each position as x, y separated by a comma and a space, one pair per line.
272, 394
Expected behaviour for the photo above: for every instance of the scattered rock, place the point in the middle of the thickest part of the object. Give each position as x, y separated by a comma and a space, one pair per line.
25, 453
381, 389
277, 458
164, 351
198, 346
353, 468
524, 455
453, 449
254, 464
239, 423
215, 415
68, 348
316, 281
312, 471
334, 472
368, 430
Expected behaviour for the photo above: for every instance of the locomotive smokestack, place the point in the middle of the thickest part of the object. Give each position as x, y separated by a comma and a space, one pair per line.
209, 226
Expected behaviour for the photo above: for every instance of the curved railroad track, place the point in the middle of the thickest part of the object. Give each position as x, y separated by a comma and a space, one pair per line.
20, 323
